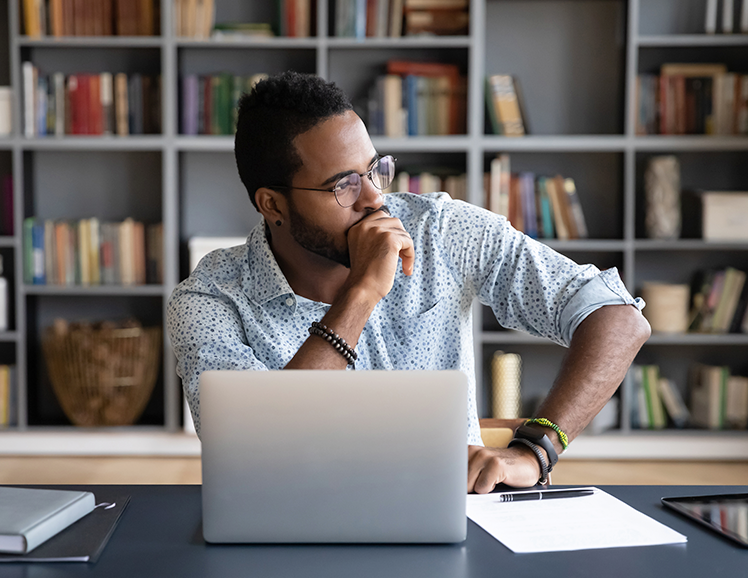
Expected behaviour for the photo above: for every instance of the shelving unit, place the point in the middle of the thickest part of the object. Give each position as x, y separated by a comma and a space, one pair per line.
577, 61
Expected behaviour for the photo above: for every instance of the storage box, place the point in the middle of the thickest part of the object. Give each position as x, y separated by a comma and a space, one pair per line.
725, 216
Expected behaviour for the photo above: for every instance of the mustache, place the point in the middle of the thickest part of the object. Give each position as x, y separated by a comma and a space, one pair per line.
384, 208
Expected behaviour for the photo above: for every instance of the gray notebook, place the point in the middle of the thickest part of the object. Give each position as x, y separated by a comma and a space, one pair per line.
31, 516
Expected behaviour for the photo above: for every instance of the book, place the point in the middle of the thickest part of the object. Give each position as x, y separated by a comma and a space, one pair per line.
673, 402
575, 209
506, 105
728, 16
710, 25
708, 395
736, 404
84, 540
29, 517
650, 384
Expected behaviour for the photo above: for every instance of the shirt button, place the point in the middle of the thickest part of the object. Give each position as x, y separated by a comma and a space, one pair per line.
289, 302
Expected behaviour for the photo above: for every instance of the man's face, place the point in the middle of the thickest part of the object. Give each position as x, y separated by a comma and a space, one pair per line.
333, 149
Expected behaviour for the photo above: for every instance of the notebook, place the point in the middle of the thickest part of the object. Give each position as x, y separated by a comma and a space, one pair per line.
334, 456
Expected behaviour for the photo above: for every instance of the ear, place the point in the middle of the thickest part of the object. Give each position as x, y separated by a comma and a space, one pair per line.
271, 204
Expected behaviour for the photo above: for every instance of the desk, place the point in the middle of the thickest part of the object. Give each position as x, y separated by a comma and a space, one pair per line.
160, 536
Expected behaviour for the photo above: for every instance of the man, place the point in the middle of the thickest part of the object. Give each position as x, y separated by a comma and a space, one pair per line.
333, 277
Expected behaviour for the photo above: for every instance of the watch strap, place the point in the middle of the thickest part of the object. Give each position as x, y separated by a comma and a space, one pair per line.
536, 435
544, 471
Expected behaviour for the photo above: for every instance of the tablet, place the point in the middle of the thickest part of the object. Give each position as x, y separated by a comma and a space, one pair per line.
726, 514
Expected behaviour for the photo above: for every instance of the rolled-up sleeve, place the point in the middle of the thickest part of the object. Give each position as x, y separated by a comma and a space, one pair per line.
529, 286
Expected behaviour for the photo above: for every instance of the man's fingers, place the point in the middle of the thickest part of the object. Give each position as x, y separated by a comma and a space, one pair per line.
489, 476
408, 255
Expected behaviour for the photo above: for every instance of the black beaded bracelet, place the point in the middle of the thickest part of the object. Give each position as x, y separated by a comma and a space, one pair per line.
544, 471
336, 341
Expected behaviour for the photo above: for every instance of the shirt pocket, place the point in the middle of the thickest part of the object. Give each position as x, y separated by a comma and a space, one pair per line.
412, 342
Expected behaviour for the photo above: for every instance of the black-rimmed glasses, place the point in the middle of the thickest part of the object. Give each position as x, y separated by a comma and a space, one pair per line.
347, 190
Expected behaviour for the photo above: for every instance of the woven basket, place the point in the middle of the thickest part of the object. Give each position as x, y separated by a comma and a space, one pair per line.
103, 376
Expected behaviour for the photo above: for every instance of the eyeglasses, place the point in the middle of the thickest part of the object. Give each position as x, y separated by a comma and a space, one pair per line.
347, 190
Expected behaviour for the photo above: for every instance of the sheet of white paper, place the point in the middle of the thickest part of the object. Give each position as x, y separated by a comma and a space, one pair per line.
563, 524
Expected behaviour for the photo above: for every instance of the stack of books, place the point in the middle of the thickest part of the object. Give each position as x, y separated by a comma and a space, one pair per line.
692, 99
718, 400
8, 392
89, 252
91, 17
90, 104
541, 207
655, 398
719, 302
209, 103
417, 99
395, 18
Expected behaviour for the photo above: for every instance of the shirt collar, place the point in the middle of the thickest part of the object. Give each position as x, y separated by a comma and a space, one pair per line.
263, 279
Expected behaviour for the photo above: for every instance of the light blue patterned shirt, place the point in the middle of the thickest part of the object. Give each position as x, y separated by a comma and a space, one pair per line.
237, 311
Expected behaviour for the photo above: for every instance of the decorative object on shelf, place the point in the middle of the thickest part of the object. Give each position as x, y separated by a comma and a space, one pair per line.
506, 376
667, 306
435, 17
91, 18
724, 216
102, 374
662, 191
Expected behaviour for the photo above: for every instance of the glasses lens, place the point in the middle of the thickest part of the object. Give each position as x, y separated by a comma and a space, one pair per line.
348, 189
383, 172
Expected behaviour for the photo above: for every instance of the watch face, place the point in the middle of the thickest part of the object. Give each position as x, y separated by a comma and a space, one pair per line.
534, 434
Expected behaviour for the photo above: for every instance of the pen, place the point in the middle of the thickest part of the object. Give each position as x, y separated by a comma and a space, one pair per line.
546, 495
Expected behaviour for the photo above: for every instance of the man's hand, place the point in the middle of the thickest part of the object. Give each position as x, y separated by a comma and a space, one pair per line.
374, 244
488, 467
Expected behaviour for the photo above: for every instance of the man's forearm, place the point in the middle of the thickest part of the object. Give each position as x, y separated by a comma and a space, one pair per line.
601, 351
346, 317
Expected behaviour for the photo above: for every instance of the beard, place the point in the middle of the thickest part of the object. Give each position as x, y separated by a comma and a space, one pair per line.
315, 239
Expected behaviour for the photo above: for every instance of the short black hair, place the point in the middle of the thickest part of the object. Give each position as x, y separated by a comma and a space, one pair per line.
271, 116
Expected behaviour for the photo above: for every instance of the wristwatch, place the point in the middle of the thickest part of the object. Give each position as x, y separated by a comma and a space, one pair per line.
536, 435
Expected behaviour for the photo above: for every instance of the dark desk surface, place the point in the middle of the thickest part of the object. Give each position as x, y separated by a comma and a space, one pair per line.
160, 535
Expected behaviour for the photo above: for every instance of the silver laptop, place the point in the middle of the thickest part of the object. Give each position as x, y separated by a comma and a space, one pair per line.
334, 456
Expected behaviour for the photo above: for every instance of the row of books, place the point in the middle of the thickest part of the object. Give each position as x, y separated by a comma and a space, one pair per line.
418, 98
719, 302
718, 400
726, 16
96, 104
209, 103
395, 18
194, 18
8, 392
541, 207
6, 206
692, 99
425, 181
91, 252
503, 103
91, 17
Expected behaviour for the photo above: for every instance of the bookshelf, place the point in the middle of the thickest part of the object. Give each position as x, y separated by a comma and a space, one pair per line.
577, 62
